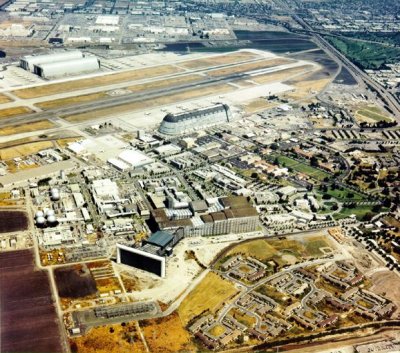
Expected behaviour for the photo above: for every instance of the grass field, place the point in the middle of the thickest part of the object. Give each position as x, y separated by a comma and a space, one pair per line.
371, 114
243, 318
210, 294
4, 99
344, 194
279, 249
262, 64
175, 81
63, 102
24, 150
68, 86
153, 102
21, 128
367, 55
271, 292
218, 60
10, 112
281, 74
302, 168
258, 105
109, 339
166, 335
359, 212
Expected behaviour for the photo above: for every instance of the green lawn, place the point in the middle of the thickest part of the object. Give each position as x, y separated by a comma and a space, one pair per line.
359, 211
374, 115
344, 194
366, 55
300, 167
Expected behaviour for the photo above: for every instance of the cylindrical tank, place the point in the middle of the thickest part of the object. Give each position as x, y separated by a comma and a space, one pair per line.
40, 221
39, 214
55, 196
49, 213
54, 190
51, 220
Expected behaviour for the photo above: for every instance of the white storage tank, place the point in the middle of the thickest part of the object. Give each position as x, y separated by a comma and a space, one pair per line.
40, 221
39, 214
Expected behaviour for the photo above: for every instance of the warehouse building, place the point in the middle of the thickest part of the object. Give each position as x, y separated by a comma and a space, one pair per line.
60, 64
28, 62
198, 119
69, 67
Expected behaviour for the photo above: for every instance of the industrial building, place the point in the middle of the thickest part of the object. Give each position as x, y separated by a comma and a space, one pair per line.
70, 67
151, 256
28, 62
186, 122
141, 259
60, 64
235, 215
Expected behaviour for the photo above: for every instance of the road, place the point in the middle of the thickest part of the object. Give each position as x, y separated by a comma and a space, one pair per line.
360, 76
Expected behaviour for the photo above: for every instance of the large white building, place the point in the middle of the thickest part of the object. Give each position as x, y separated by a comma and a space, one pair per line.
65, 68
60, 64
28, 62
177, 124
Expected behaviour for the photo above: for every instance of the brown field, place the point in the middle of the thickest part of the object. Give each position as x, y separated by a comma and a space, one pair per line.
262, 64
105, 285
307, 88
282, 74
258, 104
28, 317
166, 335
21, 128
121, 338
131, 75
13, 221
75, 282
218, 60
151, 103
63, 143
64, 102
4, 99
24, 150
10, 112
176, 81
14, 167
210, 294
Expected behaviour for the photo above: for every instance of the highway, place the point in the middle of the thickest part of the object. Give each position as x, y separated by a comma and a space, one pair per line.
359, 75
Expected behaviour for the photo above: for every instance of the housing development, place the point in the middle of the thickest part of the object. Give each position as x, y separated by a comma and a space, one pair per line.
196, 176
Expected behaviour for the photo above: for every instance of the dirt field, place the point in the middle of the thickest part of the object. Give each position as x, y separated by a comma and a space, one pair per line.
262, 64
210, 294
282, 74
166, 335
9, 112
28, 318
153, 102
123, 338
258, 105
13, 221
4, 99
75, 282
21, 128
132, 75
24, 150
218, 60
387, 284
307, 88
